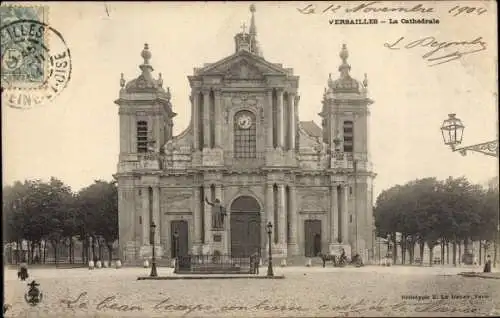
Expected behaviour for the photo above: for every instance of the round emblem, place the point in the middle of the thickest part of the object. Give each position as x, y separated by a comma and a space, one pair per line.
245, 121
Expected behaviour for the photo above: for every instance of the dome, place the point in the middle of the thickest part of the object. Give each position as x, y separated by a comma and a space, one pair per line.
345, 83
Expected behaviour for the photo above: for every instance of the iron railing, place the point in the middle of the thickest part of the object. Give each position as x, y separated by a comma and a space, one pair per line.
216, 264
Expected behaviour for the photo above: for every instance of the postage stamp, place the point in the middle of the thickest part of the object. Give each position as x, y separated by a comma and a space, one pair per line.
36, 62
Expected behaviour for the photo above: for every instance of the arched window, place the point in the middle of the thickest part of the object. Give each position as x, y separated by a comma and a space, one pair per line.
142, 136
245, 135
348, 136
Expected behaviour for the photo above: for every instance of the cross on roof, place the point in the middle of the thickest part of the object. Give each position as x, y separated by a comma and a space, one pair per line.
243, 27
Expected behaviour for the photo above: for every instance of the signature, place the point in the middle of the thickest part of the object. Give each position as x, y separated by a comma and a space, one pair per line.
436, 53
361, 306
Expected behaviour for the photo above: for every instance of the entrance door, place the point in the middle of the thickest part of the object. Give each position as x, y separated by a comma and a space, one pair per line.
181, 227
312, 237
245, 227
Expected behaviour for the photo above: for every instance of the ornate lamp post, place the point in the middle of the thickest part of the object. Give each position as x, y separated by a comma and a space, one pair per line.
270, 262
153, 265
176, 251
452, 130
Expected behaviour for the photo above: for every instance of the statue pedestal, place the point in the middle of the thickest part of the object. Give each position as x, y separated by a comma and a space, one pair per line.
146, 251
218, 242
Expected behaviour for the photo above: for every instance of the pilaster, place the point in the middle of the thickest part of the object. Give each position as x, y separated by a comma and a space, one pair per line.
282, 221
269, 115
270, 212
145, 215
345, 214
156, 213
195, 101
280, 121
291, 109
197, 221
208, 215
292, 244
206, 118
218, 118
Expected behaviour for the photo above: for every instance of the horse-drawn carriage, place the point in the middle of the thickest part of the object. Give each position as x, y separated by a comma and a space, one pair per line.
341, 260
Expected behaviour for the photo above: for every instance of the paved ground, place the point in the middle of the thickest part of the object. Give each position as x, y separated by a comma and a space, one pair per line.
315, 291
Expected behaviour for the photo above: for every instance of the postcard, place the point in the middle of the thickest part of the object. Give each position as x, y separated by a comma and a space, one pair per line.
263, 159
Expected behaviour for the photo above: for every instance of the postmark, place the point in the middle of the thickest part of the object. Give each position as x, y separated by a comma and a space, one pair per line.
36, 61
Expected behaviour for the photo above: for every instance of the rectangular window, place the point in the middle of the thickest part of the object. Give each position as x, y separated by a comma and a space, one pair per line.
142, 136
245, 139
348, 136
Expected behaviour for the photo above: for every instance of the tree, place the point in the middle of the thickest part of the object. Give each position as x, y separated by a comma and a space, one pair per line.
98, 205
428, 211
36, 211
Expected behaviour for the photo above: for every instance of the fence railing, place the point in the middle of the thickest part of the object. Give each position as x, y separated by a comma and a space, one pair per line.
209, 264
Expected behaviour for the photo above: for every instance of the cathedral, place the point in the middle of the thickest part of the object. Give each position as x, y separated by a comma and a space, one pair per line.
246, 148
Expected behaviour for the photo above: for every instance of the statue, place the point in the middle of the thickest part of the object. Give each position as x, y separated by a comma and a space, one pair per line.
218, 214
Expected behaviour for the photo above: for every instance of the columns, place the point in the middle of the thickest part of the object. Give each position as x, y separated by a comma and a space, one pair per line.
334, 214
291, 109
282, 222
145, 215
280, 121
156, 213
270, 211
208, 213
206, 119
293, 218
345, 215
195, 102
269, 115
197, 218
218, 118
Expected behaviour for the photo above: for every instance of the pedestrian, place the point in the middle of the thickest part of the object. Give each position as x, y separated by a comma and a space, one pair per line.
23, 270
256, 261
487, 265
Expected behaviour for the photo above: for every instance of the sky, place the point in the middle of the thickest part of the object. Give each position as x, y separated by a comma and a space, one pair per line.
76, 138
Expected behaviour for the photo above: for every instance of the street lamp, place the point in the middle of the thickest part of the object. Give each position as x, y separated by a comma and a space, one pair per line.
153, 265
452, 131
270, 259
176, 252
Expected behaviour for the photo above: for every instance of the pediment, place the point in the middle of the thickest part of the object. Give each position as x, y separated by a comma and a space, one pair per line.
242, 65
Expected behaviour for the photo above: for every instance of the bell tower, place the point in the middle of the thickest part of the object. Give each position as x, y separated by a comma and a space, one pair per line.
345, 116
145, 114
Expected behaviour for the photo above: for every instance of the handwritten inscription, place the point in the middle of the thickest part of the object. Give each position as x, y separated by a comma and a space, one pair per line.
368, 7
436, 53
463, 304
462, 10
378, 7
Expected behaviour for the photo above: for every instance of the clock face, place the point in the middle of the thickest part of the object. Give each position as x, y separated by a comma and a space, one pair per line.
244, 121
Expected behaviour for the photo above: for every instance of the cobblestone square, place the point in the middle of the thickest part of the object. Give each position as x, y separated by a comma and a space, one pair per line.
315, 291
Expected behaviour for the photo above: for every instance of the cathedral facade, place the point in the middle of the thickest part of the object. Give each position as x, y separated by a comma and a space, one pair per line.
246, 147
